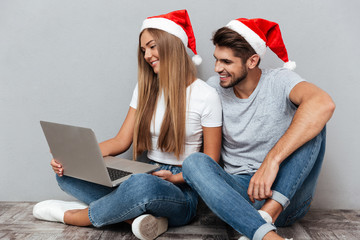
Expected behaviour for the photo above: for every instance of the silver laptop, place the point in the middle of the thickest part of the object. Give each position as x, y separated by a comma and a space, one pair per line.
77, 149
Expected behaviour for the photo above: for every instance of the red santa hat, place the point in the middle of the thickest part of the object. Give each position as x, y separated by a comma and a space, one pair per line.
178, 24
260, 33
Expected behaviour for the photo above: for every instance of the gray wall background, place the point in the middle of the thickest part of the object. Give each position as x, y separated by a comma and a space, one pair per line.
74, 61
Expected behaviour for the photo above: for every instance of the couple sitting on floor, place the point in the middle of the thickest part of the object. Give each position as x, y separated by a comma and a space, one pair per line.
267, 125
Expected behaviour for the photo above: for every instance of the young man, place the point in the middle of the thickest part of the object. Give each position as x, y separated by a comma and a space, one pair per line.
273, 134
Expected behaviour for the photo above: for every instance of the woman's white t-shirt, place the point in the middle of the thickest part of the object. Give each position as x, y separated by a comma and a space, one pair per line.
203, 110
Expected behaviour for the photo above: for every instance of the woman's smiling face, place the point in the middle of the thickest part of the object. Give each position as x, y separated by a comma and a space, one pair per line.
149, 48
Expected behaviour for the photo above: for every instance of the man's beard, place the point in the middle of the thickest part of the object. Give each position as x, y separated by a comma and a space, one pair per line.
243, 75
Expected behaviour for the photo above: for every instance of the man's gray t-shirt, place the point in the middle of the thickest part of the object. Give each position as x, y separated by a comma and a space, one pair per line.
252, 126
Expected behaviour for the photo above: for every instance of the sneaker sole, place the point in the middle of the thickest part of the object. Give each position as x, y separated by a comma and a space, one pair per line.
148, 227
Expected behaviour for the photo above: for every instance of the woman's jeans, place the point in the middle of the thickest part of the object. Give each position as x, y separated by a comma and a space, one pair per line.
226, 194
141, 193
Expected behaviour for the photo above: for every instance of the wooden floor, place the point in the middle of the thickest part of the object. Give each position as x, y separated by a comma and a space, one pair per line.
17, 222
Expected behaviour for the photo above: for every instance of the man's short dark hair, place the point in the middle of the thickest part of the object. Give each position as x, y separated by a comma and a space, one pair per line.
226, 37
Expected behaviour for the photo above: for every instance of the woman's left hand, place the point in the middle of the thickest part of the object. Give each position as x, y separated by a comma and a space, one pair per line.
163, 174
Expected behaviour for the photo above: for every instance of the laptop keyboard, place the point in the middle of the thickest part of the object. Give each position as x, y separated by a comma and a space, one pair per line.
116, 173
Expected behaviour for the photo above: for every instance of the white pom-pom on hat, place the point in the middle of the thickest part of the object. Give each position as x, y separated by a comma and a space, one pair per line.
290, 65
197, 60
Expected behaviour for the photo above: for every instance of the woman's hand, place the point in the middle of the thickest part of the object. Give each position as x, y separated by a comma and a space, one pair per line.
164, 174
57, 167
168, 176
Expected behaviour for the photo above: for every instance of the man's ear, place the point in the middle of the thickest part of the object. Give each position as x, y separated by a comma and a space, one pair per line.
252, 62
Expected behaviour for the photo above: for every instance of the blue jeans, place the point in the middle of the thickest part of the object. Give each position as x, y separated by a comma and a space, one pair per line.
141, 193
226, 194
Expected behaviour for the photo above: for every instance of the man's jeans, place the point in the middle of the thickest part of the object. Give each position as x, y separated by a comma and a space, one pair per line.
141, 193
226, 194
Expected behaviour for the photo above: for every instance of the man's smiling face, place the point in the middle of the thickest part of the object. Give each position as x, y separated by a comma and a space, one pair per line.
231, 69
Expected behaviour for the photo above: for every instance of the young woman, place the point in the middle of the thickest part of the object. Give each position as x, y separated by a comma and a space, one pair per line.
172, 114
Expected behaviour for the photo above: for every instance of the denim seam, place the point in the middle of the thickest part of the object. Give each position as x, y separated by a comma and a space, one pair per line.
233, 181
288, 219
90, 218
293, 189
136, 206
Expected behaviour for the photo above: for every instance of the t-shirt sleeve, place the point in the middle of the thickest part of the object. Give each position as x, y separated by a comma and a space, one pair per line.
133, 102
212, 114
285, 80
289, 79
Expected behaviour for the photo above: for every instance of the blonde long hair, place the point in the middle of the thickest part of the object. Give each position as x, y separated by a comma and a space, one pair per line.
177, 71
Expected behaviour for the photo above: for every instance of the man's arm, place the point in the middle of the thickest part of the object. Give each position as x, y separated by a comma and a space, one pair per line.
315, 108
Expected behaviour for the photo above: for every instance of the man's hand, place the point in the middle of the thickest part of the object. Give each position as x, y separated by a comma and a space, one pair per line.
263, 179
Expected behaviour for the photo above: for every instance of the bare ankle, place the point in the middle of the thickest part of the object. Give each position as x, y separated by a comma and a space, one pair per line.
272, 236
129, 221
273, 208
77, 217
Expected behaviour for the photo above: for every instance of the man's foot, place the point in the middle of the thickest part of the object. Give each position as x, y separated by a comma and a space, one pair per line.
148, 227
54, 210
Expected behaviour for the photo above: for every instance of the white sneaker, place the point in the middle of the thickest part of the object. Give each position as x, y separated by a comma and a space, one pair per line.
265, 216
54, 210
148, 227
243, 238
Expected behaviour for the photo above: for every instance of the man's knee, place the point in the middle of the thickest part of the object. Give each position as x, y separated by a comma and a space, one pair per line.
194, 163
196, 168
